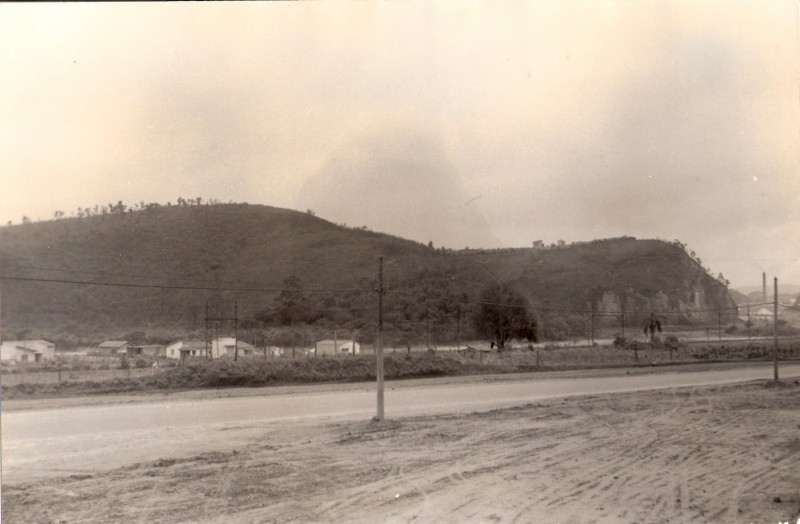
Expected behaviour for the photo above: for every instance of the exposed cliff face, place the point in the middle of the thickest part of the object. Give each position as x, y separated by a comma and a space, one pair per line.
638, 276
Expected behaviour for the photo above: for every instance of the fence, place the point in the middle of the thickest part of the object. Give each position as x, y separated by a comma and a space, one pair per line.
521, 358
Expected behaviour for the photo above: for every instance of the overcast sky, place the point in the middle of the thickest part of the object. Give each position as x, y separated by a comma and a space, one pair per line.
466, 123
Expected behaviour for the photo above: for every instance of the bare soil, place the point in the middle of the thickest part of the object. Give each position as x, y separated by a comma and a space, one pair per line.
712, 454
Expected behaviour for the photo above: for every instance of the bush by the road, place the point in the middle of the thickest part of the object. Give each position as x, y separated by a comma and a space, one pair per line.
224, 373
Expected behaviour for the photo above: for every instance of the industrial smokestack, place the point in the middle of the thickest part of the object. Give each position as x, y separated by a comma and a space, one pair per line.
764, 288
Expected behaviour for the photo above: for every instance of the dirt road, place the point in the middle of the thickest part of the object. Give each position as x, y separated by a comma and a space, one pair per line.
725, 453
81, 439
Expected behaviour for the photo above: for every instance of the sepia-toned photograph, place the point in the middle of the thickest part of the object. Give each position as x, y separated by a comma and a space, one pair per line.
528, 261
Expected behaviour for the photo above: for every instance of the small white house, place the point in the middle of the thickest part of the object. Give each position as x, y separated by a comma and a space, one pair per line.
337, 347
228, 346
27, 350
219, 348
763, 314
182, 349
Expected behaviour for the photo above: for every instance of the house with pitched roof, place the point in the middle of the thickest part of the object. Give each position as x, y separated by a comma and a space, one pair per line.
27, 350
114, 347
183, 349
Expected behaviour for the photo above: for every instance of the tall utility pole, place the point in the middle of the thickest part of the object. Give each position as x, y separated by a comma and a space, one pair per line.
216, 323
775, 327
458, 328
427, 327
748, 321
208, 351
719, 323
235, 331
379, 341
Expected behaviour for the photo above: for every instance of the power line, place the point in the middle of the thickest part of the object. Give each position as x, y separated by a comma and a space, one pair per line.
173, 286
106, 273
596, 313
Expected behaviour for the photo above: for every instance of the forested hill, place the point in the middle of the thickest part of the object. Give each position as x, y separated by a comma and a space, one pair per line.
287, 270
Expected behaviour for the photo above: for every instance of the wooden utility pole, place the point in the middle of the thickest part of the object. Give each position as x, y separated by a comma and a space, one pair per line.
775, 327
208, 351
719, 323
427, 327
748, 321
235, 331
379, 341
458, 328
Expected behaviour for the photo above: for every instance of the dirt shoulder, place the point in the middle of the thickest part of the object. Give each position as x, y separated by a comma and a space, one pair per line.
703, 454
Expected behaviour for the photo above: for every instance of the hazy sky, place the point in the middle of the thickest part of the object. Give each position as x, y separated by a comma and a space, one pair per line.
479, 124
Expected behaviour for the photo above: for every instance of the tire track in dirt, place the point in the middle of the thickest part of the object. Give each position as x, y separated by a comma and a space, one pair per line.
694, 455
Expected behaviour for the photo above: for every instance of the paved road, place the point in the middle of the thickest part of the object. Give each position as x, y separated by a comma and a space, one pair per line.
82, 439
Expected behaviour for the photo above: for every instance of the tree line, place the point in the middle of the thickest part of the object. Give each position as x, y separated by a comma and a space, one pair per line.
121, 208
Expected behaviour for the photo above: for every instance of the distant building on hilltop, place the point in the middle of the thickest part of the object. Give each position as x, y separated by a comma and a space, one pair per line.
538, 244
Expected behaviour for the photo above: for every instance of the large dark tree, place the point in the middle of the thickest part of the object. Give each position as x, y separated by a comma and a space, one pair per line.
503, 314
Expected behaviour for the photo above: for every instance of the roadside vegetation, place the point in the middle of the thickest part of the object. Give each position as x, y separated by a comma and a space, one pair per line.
257, 372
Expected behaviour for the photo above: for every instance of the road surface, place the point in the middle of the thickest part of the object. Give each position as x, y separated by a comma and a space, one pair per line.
86, 438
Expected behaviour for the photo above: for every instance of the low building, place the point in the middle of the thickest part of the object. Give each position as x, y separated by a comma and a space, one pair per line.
114, 347
183, 349
27, 350
152, 350
223, 347
337, 347
229, 346
274, 351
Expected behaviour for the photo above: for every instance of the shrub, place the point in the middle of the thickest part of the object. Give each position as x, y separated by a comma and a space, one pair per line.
620, 341
672, 342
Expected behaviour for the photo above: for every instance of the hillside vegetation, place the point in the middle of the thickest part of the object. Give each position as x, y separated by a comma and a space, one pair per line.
294, 277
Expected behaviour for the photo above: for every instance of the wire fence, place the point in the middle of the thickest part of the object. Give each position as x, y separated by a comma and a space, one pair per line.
516, 358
